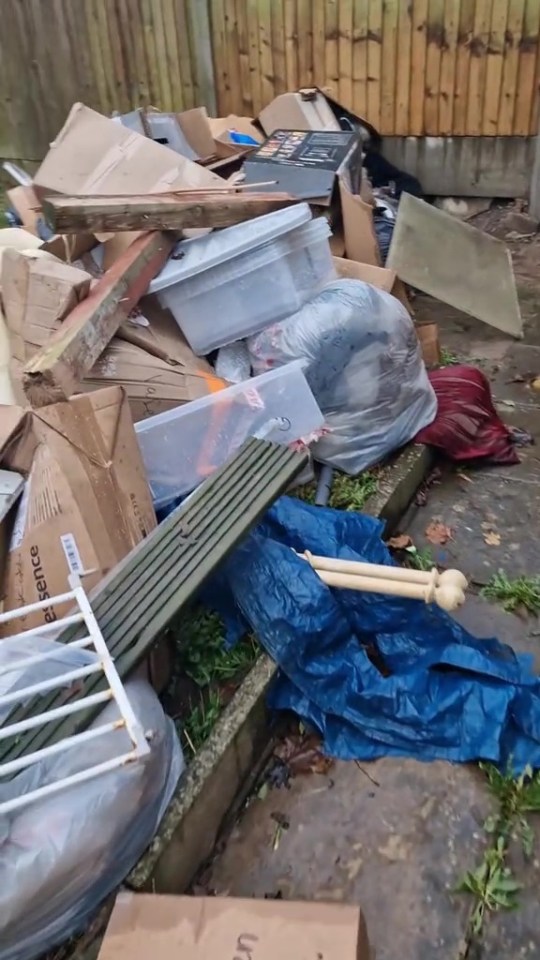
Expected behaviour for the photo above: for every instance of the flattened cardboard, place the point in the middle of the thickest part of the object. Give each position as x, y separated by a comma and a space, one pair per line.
380, 277
225, 928
86, 502
297, 111
26, 205
360, 237
456, 263
93, 154
428, 335
37, 294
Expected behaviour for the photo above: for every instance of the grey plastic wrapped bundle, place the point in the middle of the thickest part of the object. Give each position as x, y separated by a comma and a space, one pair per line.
61, 855
364, 366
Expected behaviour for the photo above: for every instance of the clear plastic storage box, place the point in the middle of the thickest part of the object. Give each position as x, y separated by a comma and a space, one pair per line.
182, 447
234, 282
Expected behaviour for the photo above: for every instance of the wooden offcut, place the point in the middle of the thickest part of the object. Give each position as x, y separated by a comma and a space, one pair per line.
55, 371
187, 211
137, 601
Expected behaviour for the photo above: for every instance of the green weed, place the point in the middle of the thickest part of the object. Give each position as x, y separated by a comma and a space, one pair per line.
420, 559
199, 724
521, 592
204, 656
448, 359
492, 885
352, 493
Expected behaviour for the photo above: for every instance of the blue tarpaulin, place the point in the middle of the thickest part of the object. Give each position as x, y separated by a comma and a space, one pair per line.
376, 675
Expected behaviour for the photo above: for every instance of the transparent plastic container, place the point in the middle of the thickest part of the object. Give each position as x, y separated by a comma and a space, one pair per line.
182, 447
231, 284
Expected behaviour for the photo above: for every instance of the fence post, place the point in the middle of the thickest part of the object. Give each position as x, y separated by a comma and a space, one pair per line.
203, 67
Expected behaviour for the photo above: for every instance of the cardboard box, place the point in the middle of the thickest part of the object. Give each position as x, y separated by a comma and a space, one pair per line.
305, 110
26, 205
359, 232
224, 928
149, 358
93, 154
428, 335
86, 502
305, 164
380, 277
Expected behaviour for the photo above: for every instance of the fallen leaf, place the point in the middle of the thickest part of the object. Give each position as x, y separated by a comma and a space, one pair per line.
438, 533
492, 538
400, 542
463, 476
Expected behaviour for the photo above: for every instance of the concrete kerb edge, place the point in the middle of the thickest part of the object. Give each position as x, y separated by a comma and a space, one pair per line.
218, 773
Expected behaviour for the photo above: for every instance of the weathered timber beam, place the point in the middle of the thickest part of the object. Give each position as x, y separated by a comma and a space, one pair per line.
172, 212
56, 370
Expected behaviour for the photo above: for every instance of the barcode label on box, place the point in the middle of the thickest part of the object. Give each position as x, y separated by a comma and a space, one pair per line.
72, 554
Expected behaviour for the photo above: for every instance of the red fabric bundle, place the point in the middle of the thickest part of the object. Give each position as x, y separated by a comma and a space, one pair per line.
467, 426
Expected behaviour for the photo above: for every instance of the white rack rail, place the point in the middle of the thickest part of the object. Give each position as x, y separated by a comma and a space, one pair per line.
94, 643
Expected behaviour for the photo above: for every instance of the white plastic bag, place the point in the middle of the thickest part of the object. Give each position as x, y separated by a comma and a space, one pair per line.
364, 366
61, 855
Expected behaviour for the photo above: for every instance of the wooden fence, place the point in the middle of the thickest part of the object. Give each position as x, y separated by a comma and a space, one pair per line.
412, 67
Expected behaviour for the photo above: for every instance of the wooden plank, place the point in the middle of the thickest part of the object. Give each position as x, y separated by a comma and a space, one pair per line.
154, 87
291, 43
305, 47
98, 67
119, 86
319, 63
345, 53
116, 214
138, 599
243, 54
524, 118
55, 372
389, 63
221, 60
266, 60
278, 49
331, 50
403, 71
232, 55
254, 64
494, 67
175, 90
463, 60
477, 68
360, 59
448, 66
418, 66
516, 10
374, 62
435, 30
203, 91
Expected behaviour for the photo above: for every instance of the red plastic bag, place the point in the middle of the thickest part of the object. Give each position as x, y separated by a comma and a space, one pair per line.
467, 426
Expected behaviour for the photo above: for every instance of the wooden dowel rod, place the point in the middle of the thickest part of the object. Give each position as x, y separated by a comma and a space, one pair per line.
446, 597
401, 574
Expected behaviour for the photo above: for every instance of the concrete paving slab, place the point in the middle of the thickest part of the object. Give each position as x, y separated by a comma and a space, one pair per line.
485, 618
395, 836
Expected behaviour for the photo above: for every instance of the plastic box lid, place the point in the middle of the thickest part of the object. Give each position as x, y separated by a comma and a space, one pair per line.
191, 257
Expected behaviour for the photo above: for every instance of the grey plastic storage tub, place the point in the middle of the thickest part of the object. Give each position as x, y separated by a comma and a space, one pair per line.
233, 283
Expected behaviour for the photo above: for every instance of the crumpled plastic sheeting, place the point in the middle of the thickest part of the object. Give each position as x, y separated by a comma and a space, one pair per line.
447, 695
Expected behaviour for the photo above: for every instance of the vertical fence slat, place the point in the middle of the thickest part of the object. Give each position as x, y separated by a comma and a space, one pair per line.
513, 36
448, 66
526, 88
435, 28
345, 52
494, 67
243, 53
265, 51
374, 62
477, 68
420, 10
305, 43
463, 60
360, 59
388, 65
331, 47
291, 43
232, 54
403, 70
278, 48
319, 62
